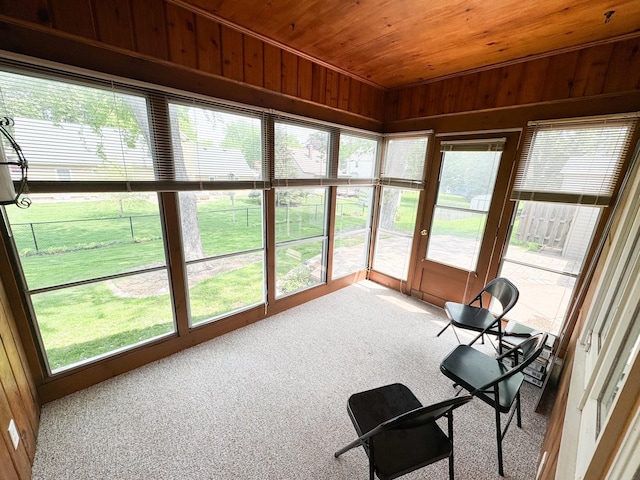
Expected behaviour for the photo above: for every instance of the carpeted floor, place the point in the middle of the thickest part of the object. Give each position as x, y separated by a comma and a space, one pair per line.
269, 402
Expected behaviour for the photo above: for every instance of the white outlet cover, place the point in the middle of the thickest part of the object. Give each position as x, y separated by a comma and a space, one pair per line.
13, 432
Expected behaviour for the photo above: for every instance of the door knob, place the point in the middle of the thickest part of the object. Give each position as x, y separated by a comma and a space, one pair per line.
423, 233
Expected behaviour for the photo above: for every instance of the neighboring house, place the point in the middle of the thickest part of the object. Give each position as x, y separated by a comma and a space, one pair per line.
309, 163
213, 163
88, 154
106, 155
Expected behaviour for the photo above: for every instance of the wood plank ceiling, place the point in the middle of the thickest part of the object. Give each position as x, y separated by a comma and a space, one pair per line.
393, 43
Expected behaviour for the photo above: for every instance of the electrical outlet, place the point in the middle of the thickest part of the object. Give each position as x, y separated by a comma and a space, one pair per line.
13, 432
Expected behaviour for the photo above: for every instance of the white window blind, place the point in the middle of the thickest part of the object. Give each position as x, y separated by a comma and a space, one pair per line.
90, 133
404, 162
211, 144
77, 129
575, 162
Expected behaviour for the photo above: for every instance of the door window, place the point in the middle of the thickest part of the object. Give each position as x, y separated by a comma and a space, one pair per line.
467, 178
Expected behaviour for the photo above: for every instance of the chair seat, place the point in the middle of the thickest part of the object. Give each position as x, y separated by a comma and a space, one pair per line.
469, 317
428, 442
472, 369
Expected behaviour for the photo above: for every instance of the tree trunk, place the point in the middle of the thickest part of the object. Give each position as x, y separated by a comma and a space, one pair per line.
191, 240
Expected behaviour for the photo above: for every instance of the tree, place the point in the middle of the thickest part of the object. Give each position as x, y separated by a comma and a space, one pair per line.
246, 137
65, 103
285, 166
352, 149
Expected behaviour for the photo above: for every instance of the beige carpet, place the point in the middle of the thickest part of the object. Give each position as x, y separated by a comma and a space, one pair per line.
269, 402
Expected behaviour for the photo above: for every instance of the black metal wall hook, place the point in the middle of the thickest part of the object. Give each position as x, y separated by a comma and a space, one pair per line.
20, 200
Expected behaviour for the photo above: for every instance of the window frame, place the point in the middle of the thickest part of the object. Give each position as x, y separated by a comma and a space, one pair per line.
587, 447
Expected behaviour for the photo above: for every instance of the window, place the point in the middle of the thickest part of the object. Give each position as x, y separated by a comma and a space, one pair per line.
568, 173
94, 133
213, 145
358, 157
352, 231
112, 166
301, 239
357, 161
222, 229
300, 151
606, 366
402, 178
223, 247
96, 272
396, 223
467, 177
94, 262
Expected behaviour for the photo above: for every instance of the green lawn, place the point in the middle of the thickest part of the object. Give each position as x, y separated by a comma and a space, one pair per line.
76, 241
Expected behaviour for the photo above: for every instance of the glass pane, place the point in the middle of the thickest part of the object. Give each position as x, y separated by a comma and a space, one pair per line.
467, 179
352, 230
222, 286
300, 266
81, 323
75, 132
357, 157
465, 190
618, 374
544, 296
456, 236
545, 255
214, 146
405, 158
300, 213
220, 222
300, 152
74, 237
397, 220
552, 235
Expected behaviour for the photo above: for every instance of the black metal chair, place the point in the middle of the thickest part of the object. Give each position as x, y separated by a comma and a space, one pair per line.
475, 316
398, 433
489, 379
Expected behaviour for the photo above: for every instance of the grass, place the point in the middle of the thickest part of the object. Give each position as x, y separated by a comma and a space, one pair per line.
83, 322
469, 227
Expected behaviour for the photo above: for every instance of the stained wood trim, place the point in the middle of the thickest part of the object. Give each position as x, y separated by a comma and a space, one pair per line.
28, 39
75, 16
596, 43
270, 41
149, 26
181, 36
209, 46
518, 116
114, 23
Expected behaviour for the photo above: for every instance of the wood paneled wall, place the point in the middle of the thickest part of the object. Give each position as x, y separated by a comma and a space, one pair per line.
598, 70
163, 31
18, 399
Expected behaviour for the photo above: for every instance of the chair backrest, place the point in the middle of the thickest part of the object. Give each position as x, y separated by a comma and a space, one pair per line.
504, 291
531, 348
422, 415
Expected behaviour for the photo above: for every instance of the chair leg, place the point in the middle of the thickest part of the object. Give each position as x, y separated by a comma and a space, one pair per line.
371, 467
450, 426
518, 414
445, 327
499, 438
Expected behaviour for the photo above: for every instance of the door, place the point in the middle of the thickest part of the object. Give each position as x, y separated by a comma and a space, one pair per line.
466, 215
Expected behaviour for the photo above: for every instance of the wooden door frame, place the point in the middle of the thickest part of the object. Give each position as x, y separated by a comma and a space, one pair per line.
493, 244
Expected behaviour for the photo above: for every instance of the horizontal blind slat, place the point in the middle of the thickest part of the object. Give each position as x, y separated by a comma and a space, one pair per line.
573, 162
